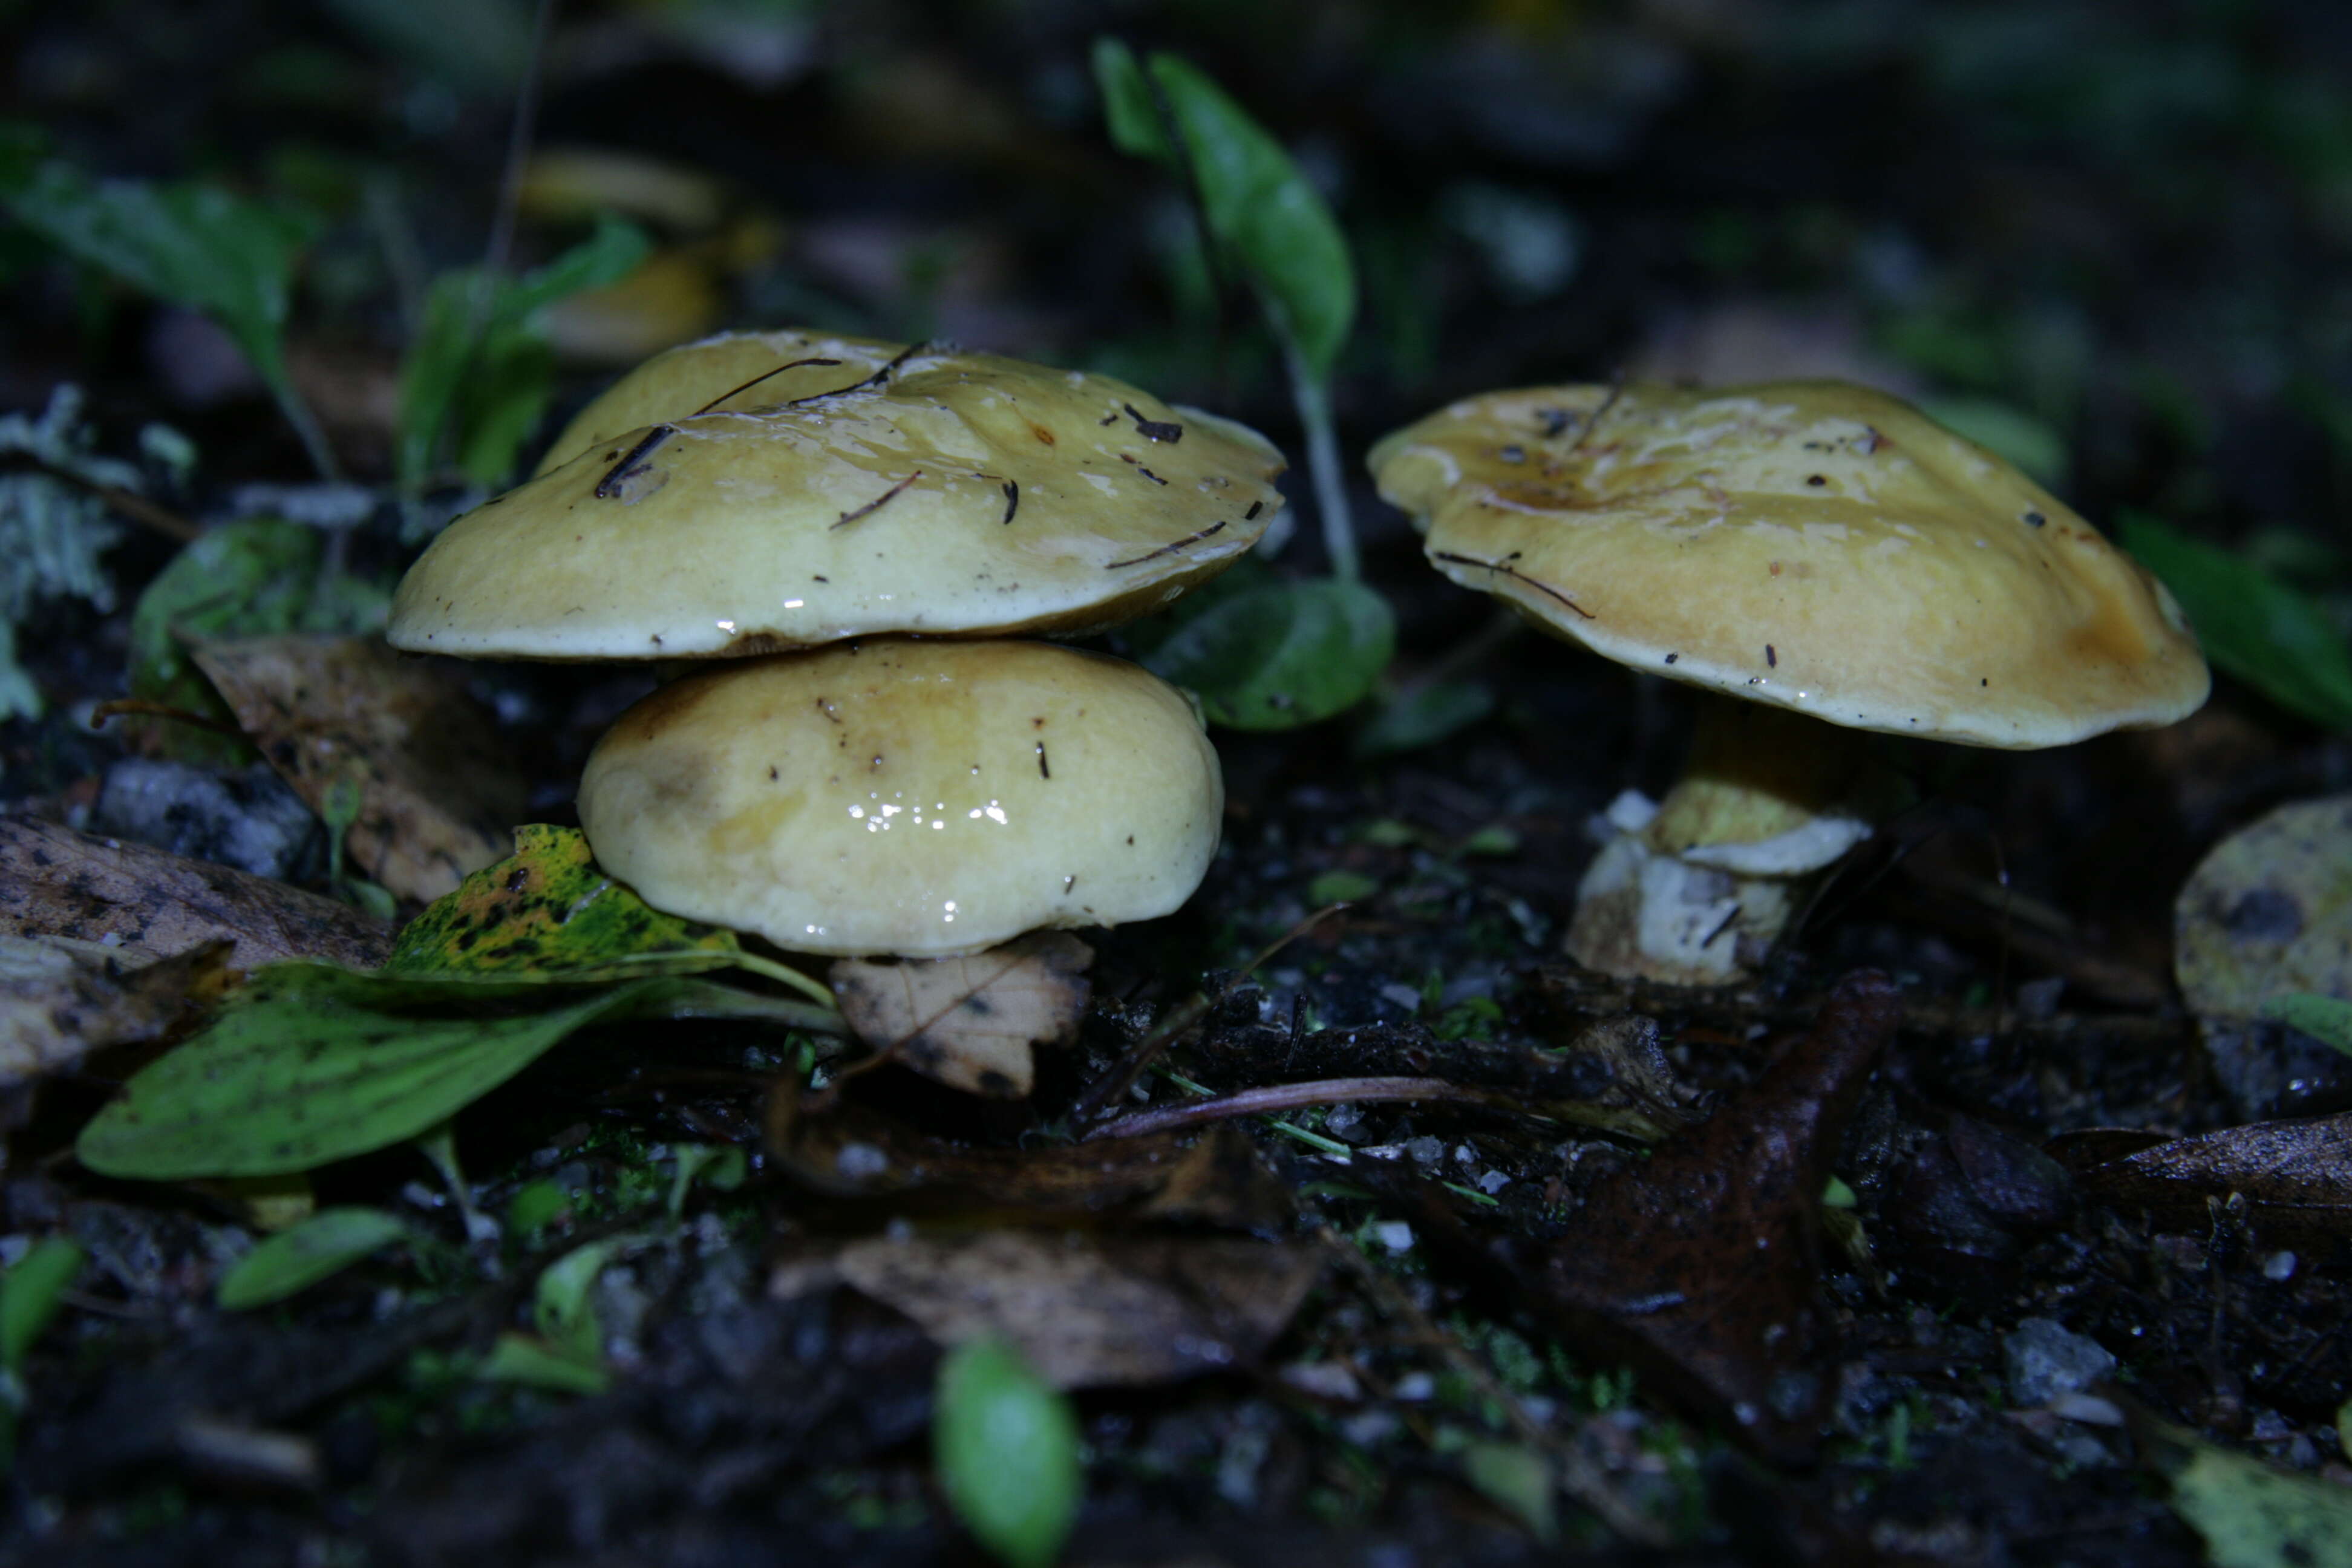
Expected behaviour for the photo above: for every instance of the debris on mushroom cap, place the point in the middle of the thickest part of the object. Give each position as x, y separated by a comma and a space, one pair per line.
906, 796
1812, 545
734, 371
924, 491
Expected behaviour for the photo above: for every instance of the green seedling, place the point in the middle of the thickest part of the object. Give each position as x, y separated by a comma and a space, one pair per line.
1275, 654
1006, 1445
479, 373
293, 1260
191, 243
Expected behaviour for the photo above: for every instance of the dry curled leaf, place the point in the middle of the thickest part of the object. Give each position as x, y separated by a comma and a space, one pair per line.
2296, 1178
1086, 1312
436, 791
971, 1022
148, 904
1212, 1178
61, 999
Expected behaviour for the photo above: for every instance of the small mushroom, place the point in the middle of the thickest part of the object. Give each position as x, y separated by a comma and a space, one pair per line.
1815, 547
908, 797
758, 492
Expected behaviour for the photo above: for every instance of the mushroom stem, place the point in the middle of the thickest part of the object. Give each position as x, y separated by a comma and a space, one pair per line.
1697, 889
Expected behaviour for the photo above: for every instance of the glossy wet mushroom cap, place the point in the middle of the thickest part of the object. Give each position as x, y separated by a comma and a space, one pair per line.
1813, 544
704, 507
901, 796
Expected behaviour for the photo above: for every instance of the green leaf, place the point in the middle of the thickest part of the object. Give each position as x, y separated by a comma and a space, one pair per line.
293, 1260
1007, 1449
479, 360
2252, 1516
1275, 654
2255, 628
550, 907
1515, 1479
2033, 445
1341, 888
2321, 1018
1424, 715
1128, 113
561, 1308
718, 1165
535, 1206
312, 1064
258, 577
31, 1291
194, 244
519, 1357
1259, 209
548, 910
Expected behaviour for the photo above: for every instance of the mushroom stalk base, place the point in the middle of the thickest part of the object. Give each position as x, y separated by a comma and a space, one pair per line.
1695, 890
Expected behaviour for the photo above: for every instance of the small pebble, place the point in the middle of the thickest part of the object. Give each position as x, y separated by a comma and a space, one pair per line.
2044, 1360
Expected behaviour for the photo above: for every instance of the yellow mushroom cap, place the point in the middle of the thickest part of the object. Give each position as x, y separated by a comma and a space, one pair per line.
733, 370
902, 797
889, 491
1813, 544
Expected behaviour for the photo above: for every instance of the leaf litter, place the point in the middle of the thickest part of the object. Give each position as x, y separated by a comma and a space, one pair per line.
437, 788
146, 904
971, 1023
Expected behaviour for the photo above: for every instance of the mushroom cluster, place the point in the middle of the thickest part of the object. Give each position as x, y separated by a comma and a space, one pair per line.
1824, 552
855, 528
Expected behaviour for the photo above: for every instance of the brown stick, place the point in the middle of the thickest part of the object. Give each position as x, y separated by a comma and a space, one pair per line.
126, 504
1279, 1097
1120, 1078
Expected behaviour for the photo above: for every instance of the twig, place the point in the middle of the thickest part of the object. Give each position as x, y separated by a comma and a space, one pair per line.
1279, 1097
878, 378
1616, 390
878, 502
764, 376
144, 707
126, 504
1115, 1083
519, 134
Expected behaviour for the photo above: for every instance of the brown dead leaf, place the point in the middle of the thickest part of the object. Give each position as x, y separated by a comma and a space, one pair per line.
437, 792
1700, 1264
60, 1000
148, 904
1086, 1312
971, 1023
1210, 1178
2294, 1176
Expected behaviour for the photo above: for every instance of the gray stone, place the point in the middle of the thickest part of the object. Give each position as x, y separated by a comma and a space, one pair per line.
250, 820
2044, 1360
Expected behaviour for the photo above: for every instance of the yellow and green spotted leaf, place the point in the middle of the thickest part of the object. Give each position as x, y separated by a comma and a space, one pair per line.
550, 907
